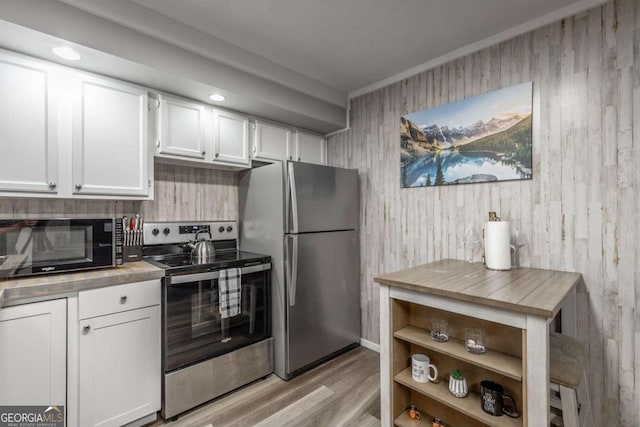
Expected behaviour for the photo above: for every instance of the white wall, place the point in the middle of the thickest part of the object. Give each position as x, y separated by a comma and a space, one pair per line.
580, 211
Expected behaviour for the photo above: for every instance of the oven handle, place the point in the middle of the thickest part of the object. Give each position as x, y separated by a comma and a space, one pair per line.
211, 275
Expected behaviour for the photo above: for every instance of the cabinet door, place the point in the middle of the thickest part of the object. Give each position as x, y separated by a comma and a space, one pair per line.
119, 372
231, 138
33, 353
28, 127
272, 142
181, 128
310, 148
110, 147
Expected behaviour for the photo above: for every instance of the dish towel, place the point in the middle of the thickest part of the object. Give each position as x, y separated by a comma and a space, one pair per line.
229, 292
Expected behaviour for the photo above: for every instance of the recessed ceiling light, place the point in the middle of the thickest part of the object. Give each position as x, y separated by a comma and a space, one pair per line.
217, 97
66, 53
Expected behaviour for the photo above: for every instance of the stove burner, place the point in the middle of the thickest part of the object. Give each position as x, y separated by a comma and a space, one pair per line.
186, 260
171, 251
175, 264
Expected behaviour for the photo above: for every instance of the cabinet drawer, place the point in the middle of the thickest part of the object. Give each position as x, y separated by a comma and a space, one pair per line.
118, 298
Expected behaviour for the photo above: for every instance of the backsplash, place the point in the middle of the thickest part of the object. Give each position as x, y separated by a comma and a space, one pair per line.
181, 193
187, 193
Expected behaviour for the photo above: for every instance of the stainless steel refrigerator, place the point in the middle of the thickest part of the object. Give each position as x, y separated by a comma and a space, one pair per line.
306, 217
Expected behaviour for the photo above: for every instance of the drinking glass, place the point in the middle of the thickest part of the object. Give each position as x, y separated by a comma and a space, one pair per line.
439, 330
471, 242
474, 341
517, 242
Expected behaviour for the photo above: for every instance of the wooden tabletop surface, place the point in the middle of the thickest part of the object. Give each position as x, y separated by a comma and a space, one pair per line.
525, 290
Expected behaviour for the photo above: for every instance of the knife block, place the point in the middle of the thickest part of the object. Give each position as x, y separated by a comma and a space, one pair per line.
131, 253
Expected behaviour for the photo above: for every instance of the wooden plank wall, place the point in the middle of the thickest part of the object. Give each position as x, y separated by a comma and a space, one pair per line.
579, 213
181, 193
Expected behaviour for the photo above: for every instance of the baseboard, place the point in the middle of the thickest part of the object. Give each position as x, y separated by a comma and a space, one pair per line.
370, 345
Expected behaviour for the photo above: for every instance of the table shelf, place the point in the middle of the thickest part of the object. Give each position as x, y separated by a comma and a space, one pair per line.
469, 406
404, 421
493, 360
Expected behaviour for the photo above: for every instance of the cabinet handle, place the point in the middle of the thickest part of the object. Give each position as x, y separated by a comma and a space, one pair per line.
290, 157
204, 152
86, 329
217, 154
52, 185
123, 299
78, 187
299, 158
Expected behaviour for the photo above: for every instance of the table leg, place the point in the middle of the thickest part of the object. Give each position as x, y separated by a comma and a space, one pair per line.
568, 315
537, 371
385, 354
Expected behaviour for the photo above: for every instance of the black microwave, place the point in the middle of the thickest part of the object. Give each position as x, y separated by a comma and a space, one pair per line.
40, 246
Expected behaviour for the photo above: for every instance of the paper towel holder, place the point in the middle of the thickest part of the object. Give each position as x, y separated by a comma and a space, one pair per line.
492, 217
504, 258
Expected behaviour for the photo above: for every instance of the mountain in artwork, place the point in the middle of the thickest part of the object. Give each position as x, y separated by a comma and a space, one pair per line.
417, 141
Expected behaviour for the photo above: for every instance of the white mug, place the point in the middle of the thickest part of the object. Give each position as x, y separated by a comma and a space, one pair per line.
420, 365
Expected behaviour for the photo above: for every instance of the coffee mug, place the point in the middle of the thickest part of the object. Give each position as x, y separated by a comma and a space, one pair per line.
420, 366
492, 400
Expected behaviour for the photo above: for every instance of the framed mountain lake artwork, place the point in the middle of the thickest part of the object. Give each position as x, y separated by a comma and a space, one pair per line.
481, 139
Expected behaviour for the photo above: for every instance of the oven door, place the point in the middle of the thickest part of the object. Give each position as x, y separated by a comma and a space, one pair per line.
195, 327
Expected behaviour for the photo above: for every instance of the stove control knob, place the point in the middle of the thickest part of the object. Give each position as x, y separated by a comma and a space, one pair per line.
221, 229
166, 231
229, 229
155, 231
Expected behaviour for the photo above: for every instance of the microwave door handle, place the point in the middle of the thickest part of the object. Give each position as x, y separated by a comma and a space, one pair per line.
293, 269
293, 201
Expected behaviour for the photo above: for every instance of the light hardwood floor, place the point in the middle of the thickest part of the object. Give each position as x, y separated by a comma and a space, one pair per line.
344, 391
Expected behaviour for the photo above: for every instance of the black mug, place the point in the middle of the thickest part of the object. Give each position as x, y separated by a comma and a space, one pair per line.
492, 400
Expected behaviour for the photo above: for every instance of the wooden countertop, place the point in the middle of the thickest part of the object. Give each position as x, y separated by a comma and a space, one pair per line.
42, 287
524, 290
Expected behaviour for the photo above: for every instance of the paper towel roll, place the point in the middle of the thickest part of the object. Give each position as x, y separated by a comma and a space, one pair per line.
497, 249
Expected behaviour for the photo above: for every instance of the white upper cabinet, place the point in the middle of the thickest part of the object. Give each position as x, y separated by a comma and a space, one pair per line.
182, 128
109, 138
310, 148
230, 138
28, 127
272, 142
67, 134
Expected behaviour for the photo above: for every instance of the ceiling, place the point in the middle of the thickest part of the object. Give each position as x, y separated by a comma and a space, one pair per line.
350, 44
292, 61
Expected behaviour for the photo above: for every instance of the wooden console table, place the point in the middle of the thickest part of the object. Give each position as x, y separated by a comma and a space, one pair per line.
513, 307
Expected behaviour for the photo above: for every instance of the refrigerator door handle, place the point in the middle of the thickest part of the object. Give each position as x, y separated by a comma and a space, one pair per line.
293, 273
293, 199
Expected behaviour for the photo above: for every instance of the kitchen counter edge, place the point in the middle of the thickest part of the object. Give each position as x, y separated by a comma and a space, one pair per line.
28, 289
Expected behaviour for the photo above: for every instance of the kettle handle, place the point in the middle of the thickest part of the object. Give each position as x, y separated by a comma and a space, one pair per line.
202, 231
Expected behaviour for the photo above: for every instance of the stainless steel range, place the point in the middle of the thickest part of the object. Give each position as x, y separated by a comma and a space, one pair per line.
216, 314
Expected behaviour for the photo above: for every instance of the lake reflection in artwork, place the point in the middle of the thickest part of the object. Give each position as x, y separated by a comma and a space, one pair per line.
481, 139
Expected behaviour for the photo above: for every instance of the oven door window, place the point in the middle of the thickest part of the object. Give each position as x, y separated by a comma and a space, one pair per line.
196, 328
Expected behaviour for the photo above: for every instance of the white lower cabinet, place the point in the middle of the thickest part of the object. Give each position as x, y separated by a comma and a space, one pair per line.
33, 354
119, 354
